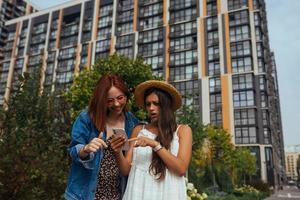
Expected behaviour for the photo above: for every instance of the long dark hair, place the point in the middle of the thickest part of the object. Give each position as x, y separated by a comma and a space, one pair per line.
97, 108
166, 127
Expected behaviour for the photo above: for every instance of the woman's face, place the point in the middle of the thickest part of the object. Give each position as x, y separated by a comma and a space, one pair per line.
116, 101
152, 107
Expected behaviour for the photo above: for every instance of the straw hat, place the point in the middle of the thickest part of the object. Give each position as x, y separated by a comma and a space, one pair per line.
141, 88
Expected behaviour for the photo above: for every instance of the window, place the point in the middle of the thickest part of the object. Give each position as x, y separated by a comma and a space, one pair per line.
151, 49
19, 64
125, 16
265, 117
239, 33
151, 22
104, 33
183, 15
240, 49
183, 29
242, 82
212, 8
258, 34
214, 85
215, 102
183, 72
69, 41
257, 19
267, 137
157, 62
262, 83
190, 91
261, 65
243, 64
214, 68
103, 45
65, 65
105, 10
184, 58
212, 23
237, 4
245, 135
259, 49
263, 100
105, 21
212, 38
243, 99
213, 53
125, 41
151, 10
127, 52
125, 28
126, 4
183, 43
151, 36
67, 53
216, 118
65, 77
238, 18
244, 117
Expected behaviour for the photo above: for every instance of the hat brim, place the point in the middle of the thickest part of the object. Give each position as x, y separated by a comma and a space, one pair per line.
170, 89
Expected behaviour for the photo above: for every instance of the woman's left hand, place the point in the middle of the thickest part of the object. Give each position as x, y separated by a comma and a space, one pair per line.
144, 141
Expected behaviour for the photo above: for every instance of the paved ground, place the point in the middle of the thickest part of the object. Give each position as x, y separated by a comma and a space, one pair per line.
288, 193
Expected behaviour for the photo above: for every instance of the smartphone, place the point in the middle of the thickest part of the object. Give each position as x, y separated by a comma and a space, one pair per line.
122, 132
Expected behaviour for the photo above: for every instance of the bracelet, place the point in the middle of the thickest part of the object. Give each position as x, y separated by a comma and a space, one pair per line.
157, 147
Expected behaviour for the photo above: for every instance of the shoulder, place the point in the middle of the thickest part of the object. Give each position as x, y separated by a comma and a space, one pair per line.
184, 130
137, 129
83, 118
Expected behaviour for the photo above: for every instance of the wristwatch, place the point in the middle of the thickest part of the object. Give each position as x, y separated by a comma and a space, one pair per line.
157, 147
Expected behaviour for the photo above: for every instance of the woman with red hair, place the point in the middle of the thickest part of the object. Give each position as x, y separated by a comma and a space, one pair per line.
94, 171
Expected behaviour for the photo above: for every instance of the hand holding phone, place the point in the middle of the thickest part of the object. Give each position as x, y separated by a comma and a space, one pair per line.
121, 131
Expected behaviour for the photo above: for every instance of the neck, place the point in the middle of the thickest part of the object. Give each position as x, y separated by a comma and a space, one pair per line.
113, 118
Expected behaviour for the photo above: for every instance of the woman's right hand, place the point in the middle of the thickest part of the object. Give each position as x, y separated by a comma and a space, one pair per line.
94, 145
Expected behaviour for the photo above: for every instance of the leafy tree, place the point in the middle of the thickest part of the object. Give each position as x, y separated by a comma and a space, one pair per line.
244, 164
132, 71
218, 163
34, 136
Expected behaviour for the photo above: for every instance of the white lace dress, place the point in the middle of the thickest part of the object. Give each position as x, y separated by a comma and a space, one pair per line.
142, 185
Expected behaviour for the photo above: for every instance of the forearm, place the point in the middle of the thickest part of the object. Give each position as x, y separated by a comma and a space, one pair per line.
173, 163
123, 164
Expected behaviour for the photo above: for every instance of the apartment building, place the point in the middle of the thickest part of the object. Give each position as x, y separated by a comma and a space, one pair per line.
10, 9
216, 52
291, 165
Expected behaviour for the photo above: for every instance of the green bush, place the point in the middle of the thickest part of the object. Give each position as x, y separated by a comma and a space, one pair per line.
33, 140
261, 186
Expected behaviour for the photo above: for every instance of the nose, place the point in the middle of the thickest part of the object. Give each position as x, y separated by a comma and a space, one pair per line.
152, 106
116, 103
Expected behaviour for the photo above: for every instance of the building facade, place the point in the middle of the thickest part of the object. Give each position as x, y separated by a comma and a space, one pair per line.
216, 52
10, 9
291, 159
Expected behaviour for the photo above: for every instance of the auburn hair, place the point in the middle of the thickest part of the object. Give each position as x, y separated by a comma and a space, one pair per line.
166, 127
97, 108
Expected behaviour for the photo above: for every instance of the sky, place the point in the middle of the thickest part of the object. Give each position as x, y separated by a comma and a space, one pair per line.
284, 32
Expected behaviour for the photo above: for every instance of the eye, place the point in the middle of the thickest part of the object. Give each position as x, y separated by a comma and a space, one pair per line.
121, 98
110, 101
156, 103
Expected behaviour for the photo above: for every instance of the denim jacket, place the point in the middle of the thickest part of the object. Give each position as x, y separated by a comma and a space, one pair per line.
83, 177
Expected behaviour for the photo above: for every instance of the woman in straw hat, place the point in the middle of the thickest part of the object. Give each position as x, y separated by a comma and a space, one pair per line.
94, 171
160, 151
